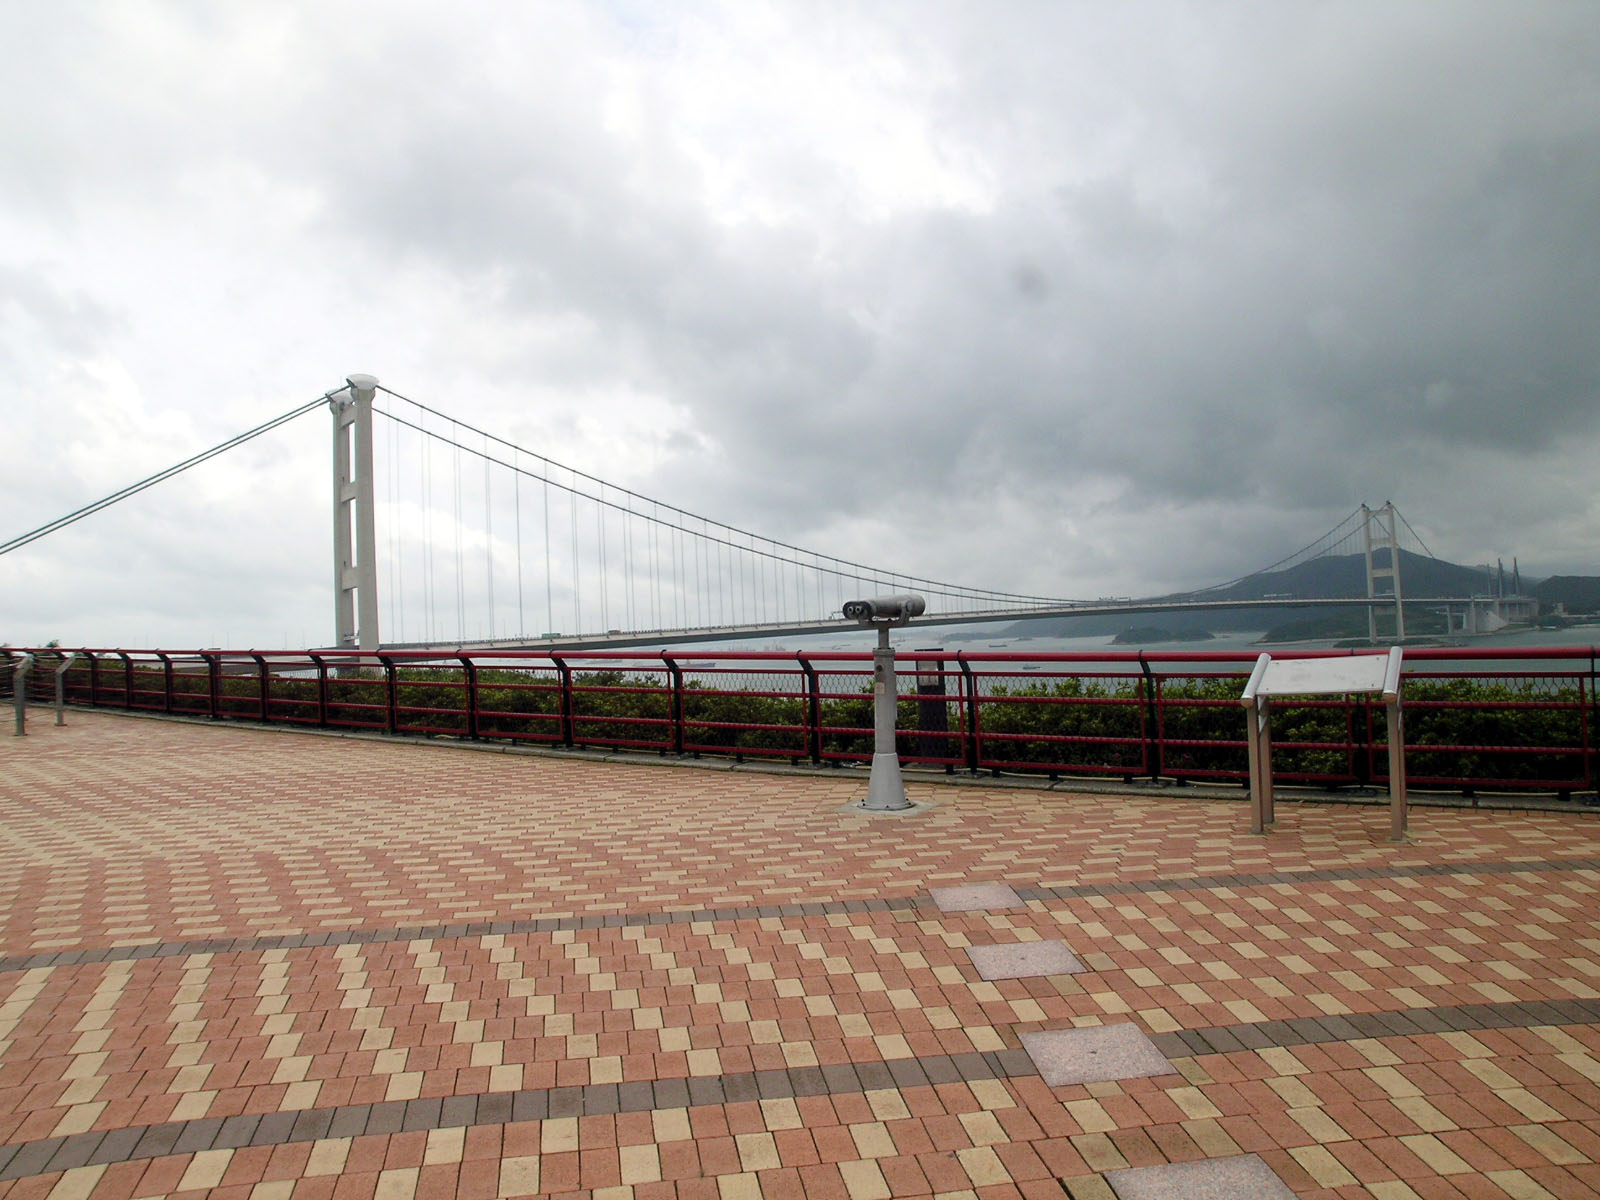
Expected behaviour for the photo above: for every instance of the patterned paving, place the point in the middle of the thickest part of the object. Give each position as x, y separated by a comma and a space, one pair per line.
251, 963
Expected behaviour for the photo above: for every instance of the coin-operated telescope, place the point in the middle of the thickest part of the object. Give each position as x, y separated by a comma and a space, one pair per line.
885, 610
886, 791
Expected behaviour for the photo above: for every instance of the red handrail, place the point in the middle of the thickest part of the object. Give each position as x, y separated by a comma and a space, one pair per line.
1010, 711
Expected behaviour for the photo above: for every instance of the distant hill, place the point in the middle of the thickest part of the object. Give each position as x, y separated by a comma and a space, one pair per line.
1346, 575
1580, 593
1334, 576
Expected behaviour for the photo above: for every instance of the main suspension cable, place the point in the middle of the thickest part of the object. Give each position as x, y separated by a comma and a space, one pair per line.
133, 489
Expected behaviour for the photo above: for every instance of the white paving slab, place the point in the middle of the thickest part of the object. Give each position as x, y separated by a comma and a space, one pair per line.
975, 897
1240, 1177
1023, 960
1094, 1055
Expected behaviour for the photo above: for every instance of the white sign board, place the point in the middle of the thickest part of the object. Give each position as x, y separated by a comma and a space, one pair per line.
1340, 675
1323, 676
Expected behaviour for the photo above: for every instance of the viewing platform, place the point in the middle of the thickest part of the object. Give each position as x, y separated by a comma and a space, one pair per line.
261, 963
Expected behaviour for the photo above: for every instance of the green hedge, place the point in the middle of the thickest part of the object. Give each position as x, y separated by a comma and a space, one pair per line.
1501, 730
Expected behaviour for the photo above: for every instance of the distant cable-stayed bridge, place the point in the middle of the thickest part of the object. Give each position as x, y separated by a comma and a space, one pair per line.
449, 535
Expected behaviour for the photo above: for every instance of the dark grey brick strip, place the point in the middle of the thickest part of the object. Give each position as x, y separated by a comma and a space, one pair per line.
1408, 1022
1204, 883
494, 1108
500, 1108
815, 908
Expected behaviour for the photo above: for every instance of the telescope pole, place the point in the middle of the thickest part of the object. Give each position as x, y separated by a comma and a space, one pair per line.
886, 791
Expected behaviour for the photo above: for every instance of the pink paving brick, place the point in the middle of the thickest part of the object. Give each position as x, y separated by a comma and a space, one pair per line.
233, 955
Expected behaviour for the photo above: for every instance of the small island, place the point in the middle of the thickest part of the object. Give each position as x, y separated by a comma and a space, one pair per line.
1146, 635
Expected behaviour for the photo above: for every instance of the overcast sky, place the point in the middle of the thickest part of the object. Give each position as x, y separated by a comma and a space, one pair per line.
1111, 298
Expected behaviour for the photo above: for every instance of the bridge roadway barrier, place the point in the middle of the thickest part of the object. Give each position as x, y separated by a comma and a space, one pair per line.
1477, 720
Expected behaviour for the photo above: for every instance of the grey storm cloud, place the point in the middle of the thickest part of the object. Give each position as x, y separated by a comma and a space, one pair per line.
1164, 289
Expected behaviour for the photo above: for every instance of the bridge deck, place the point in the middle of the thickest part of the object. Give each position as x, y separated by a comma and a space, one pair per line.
266, 964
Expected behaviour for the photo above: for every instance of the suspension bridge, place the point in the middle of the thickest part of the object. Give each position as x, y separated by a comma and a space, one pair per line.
447, 535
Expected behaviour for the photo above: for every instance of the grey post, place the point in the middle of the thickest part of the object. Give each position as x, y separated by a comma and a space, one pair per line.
1398, 810
1258, 745
355, 550
886, 791
19, 697
61, 687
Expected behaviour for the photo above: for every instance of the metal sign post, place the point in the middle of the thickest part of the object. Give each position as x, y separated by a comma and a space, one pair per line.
19, 693
61, 687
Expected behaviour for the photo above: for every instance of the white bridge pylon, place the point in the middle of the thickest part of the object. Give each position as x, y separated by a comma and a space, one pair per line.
355, 540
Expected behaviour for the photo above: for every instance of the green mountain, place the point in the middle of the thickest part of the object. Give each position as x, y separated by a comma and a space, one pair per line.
1333, 576
1346, 575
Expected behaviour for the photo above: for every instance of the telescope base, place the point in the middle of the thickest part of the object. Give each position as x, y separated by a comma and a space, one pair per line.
887, 790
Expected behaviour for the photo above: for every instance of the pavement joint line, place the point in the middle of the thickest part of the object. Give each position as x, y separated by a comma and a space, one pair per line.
255, 944
97, 1147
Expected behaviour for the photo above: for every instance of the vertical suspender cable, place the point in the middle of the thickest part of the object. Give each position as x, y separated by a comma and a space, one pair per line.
393, 496
735, 583
627, 569
655, 566
549, 602
461, 575
397, 562
488, 541
516, 497
577, 573
428, 605
600, 525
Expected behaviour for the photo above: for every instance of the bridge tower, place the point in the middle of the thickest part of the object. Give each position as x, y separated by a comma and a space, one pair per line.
1378, 533
355, 542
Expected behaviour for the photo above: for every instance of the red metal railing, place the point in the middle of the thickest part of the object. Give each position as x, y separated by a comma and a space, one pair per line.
1489, 719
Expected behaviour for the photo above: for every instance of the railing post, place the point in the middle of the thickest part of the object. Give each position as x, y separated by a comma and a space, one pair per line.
813, 710
470, 669
94, 679
392, 691
675, 674
1152, 743
213, 684
1590, 713
933, 713
322, 689
263, 687
19, 693
565, 672
166, 681
61, 687
127, 679
969, 684
1361, 741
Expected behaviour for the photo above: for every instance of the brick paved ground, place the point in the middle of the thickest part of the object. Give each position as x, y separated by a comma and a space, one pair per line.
252, 963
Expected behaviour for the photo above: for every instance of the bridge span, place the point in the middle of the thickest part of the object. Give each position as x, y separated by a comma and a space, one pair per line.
618, 639
478, 540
